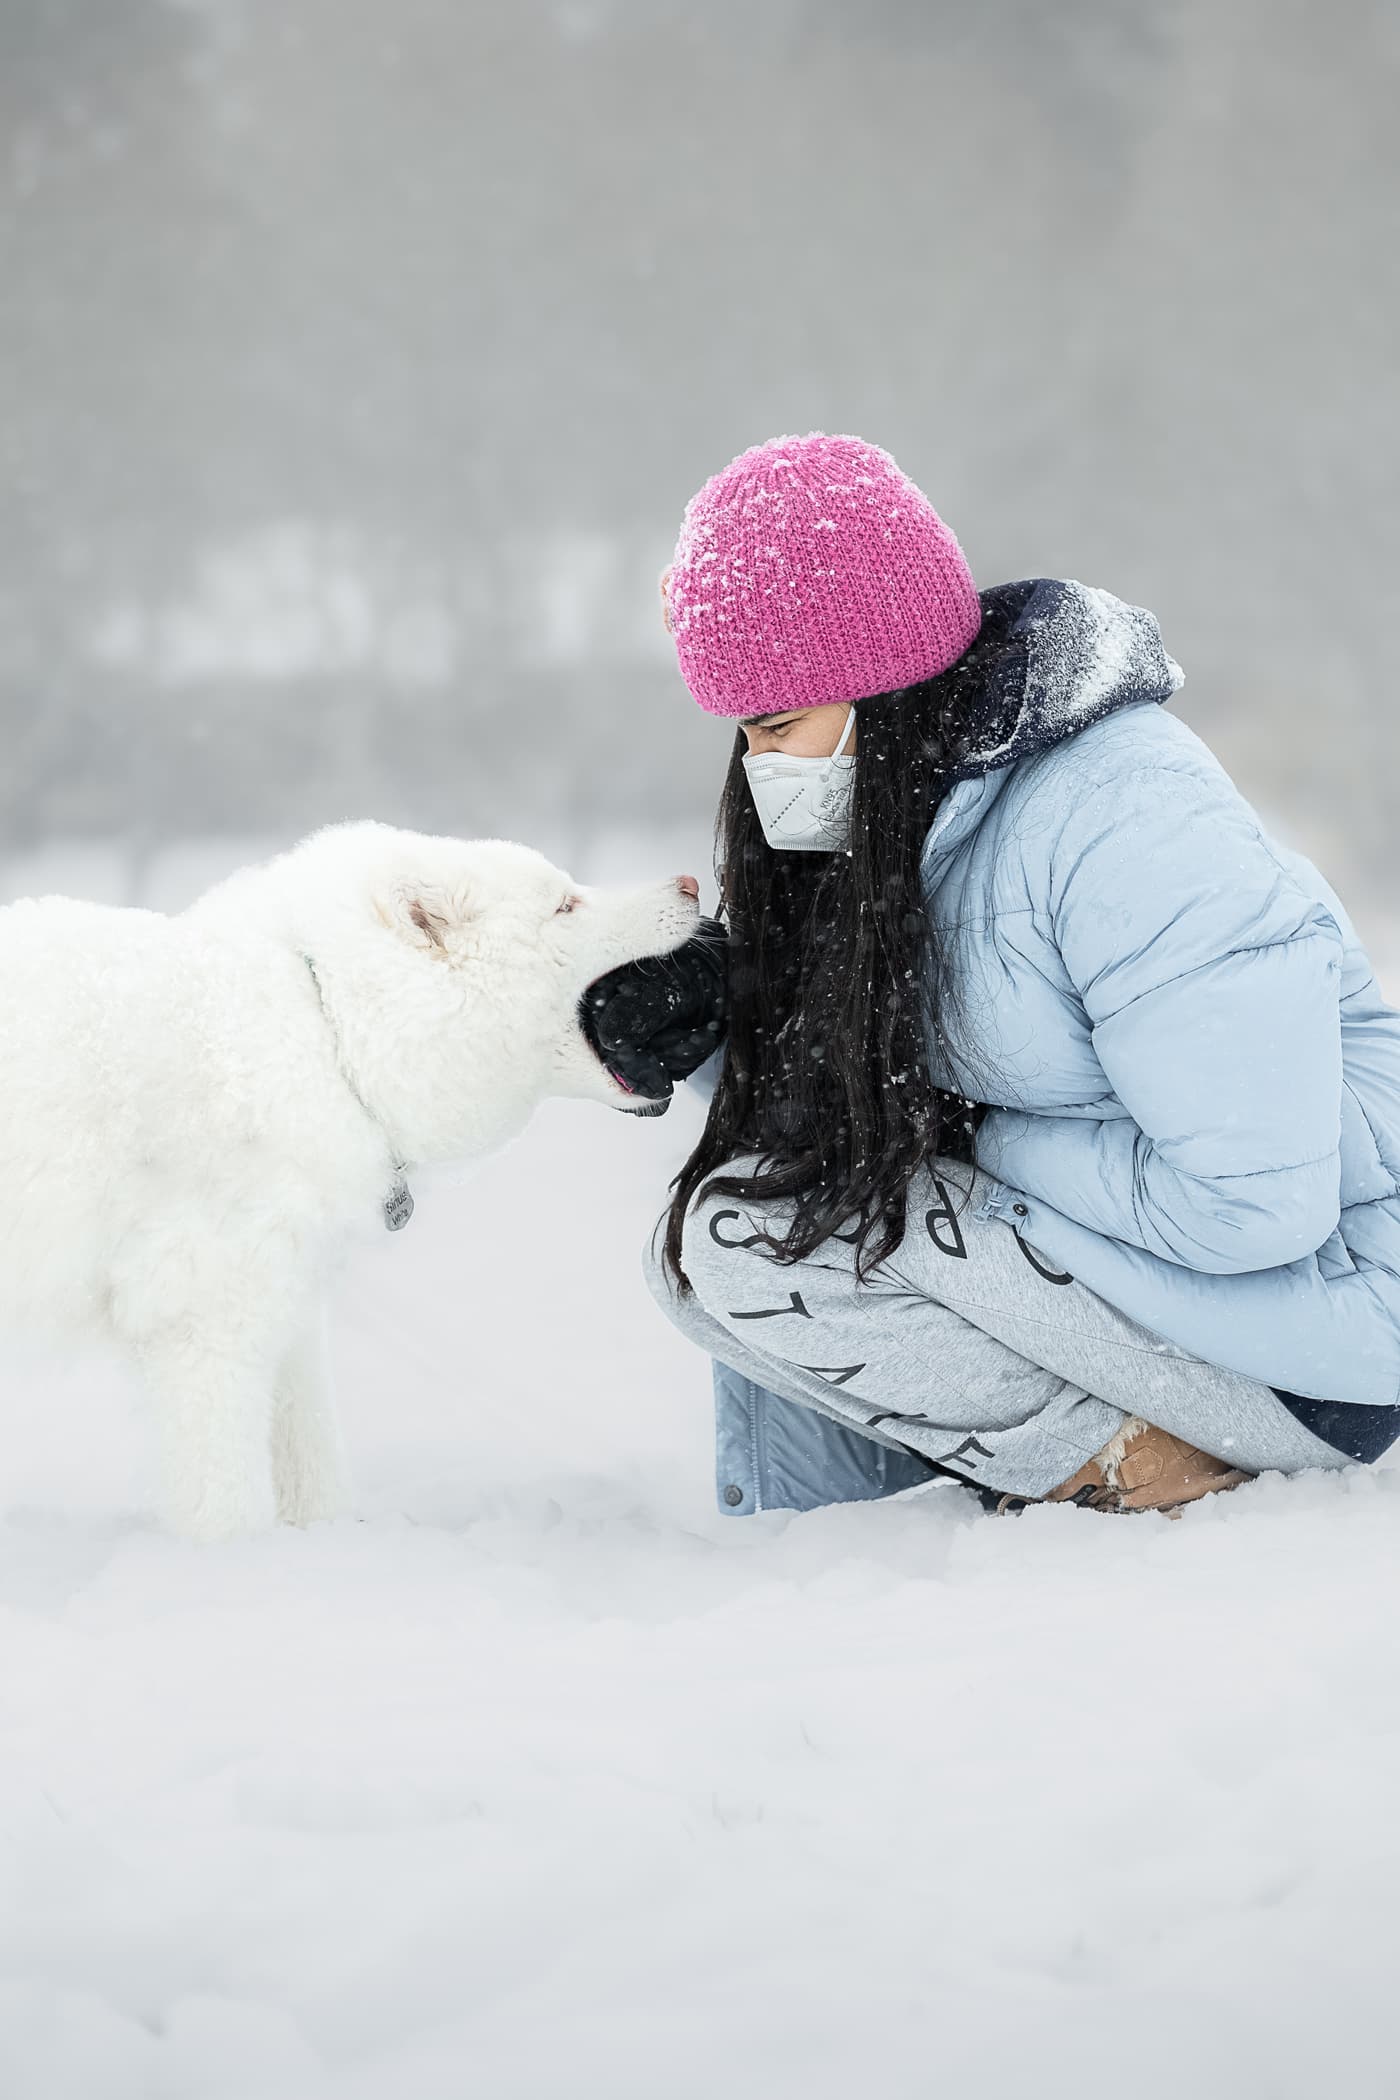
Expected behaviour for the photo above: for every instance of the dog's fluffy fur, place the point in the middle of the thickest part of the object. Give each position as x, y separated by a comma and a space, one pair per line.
194, 1110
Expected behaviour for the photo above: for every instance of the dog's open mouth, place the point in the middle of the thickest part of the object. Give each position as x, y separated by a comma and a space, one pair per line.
639, 1074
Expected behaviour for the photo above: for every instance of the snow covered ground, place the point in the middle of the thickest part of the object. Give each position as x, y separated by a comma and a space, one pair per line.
542, 1778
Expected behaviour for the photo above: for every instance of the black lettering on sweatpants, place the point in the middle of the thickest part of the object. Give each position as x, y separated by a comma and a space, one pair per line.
776, 1312
955, 1245
1050, 1275
890, 1414
969, 1443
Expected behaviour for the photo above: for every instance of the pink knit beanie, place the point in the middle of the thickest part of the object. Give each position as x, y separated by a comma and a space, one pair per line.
812, 570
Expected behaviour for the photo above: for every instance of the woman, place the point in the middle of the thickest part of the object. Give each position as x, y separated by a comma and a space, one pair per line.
1055, 1142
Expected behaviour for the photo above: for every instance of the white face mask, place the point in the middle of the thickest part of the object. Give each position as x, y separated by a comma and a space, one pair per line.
804, 804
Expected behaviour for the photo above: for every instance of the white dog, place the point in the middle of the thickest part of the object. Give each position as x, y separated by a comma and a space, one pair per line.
194, 1110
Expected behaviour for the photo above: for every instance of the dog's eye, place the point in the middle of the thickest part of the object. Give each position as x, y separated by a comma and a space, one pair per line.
569, 904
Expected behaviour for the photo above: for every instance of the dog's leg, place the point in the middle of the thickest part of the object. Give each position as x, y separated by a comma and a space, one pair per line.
309, 1474
214, 1414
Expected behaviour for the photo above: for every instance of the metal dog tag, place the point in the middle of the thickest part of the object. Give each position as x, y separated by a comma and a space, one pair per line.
398, 1206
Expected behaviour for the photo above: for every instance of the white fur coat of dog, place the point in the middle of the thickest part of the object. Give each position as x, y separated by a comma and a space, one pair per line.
194, 1110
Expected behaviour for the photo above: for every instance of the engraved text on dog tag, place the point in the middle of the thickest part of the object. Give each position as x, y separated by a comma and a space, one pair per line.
398, 1206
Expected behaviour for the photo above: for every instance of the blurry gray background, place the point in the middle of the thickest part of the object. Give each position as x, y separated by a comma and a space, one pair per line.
357, 359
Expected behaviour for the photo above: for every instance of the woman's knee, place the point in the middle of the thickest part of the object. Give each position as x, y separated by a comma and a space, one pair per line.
660, 1280
686, 1309
710, 1231
697, 1252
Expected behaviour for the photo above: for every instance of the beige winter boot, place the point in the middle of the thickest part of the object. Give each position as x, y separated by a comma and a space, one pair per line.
1142, 1468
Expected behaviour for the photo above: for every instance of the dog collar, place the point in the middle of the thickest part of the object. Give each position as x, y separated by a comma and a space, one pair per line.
398, 1204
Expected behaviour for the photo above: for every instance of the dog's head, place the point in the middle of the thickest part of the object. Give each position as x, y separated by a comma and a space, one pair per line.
466, 962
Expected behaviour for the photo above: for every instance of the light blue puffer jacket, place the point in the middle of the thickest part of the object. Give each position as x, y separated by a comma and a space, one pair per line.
1198, 1082
1196, 1079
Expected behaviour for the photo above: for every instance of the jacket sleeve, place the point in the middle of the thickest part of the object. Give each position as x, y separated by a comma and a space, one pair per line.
1210, 983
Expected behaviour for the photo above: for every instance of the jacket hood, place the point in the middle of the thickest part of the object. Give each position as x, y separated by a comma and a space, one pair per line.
1053, 657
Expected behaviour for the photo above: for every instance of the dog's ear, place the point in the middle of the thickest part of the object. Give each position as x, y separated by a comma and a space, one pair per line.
427, 916
431, 923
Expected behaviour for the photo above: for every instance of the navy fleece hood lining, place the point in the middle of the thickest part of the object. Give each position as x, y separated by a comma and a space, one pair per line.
1054, 657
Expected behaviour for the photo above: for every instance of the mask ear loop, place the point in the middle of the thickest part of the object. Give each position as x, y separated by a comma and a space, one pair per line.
840, 750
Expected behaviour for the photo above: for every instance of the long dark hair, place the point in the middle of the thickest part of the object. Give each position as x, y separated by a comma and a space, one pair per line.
838, 980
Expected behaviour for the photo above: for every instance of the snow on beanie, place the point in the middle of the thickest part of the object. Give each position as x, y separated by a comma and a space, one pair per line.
812, 570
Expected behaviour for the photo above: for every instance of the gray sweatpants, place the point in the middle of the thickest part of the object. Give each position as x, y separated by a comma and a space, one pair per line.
965, 1346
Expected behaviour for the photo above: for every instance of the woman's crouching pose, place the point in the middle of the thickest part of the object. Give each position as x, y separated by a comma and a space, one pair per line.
1055, 1141
962, 1352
